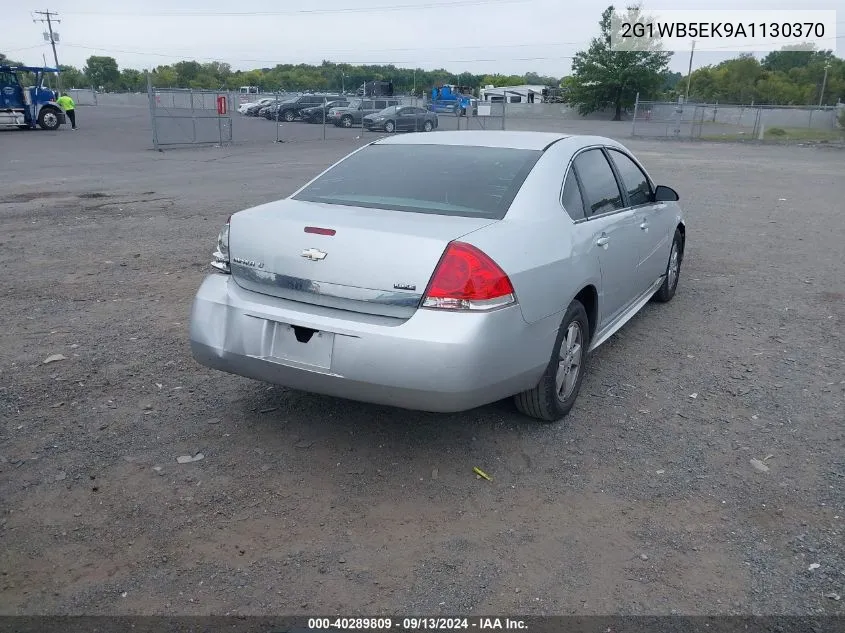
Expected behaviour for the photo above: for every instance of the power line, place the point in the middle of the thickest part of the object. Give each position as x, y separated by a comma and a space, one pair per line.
371, 9
175, 55
331, 51
276, 61
23, 48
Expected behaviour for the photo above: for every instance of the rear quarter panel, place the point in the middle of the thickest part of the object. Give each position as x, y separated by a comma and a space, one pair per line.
536, 243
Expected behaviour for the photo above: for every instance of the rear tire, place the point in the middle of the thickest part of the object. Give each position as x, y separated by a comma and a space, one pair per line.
428, 126
673, 270
555, 394
346, 121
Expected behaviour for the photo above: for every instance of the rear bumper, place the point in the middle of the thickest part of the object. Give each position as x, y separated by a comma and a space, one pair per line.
434, 361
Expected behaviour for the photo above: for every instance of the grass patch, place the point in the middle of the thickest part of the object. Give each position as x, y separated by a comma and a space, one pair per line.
804, 134
781, 134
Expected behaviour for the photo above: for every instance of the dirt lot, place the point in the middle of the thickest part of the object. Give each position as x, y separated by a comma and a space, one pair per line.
644, 501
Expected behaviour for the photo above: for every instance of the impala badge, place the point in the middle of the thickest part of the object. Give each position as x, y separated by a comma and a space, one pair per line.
248, 262
314, 254
404, 287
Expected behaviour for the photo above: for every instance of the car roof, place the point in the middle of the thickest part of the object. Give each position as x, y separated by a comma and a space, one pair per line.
479, 138
504, 139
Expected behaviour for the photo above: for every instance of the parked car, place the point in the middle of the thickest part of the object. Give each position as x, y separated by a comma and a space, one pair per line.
357, 109
269, 111
401, 119
255, 108
290, 110
314, 114
441, 272
242, 108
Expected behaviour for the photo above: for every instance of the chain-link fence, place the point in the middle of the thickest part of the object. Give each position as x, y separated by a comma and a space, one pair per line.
294, 117
83, 96
313, 117
190, 117
732, 121
487, 115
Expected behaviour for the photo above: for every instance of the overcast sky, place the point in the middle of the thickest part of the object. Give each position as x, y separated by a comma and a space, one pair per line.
504, 36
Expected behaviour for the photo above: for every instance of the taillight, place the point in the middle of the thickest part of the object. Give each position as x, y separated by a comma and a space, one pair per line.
467, 279
221, 255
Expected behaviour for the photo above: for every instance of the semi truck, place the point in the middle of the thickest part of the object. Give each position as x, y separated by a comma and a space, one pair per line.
450, 99
28, 107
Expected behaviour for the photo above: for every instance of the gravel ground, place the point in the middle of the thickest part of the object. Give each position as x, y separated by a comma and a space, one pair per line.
645, 501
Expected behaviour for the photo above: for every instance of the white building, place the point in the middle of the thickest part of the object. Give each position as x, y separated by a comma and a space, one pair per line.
515, 94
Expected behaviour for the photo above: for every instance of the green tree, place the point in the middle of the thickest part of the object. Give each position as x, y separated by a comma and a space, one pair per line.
164, 77
5, 61
788, 58
602, 77
73, 77
186, 72
541, 80
102, 71
132, 80
502, 80
785, 77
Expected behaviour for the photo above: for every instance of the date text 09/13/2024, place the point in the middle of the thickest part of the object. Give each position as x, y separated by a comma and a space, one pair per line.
416, 624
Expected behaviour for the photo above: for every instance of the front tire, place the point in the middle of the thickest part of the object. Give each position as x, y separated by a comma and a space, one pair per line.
428, 126
48, 119
555, 394
288, 116
673, 270
390, 127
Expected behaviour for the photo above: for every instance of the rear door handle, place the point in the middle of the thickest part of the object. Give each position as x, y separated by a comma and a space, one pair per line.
604, 240
644, 225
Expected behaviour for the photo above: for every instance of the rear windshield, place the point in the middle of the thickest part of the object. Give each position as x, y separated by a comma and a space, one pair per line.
439, 179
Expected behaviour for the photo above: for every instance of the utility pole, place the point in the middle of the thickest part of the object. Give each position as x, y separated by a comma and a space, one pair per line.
689, 71
47, 18
824, 83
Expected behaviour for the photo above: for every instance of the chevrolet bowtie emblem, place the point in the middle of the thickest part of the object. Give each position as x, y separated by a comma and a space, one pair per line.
314, 254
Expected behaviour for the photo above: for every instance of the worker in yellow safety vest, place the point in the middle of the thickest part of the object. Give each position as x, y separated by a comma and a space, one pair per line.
67, 104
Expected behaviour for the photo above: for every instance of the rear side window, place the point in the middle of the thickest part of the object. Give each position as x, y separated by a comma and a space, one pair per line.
600, 187
439, 179
633, 179
571, 198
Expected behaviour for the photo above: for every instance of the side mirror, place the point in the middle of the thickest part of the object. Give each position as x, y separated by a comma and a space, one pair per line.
665, 194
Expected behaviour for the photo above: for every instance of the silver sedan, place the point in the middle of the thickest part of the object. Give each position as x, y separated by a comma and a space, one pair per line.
441, 272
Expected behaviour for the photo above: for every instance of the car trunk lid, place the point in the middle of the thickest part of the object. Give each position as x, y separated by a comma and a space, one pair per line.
373, 261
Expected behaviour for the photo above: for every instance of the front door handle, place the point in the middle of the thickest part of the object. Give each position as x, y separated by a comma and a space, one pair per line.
644, 225
604, 240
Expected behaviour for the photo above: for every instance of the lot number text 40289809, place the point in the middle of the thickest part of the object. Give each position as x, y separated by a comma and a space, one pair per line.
416, 624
